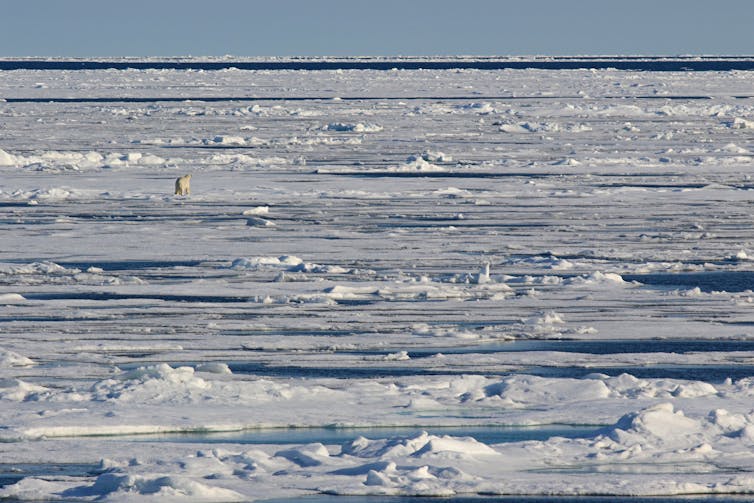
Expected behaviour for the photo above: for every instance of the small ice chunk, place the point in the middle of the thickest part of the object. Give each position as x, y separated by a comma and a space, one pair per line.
740, 123
7, 159
436, 156
11, 298
484, 275
229, 140
546, 318
259, 222
399, 356
461, 445
214, 368
258, 210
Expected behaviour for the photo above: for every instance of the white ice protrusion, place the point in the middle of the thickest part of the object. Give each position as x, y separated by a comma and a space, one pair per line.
547, 318
740, 123
228, 140
597, 278
397, 357
484, 275
11, 298
7, 159
259, 222
436, 156
742, 255
258, 210
10, 359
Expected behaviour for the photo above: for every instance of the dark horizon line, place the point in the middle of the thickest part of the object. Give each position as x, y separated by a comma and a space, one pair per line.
396, 57
637, 63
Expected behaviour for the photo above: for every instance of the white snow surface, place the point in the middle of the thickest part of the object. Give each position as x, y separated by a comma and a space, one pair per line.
420, 254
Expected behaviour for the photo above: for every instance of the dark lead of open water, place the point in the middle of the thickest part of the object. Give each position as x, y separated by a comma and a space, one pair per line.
485, 434
717, 281
707, 373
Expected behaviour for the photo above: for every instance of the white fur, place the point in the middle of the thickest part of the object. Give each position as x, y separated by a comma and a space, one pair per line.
183, 185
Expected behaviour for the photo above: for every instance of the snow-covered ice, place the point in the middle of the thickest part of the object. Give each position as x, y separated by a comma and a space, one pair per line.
413, 249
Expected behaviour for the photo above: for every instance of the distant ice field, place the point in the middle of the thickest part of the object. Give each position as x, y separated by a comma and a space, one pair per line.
375, 273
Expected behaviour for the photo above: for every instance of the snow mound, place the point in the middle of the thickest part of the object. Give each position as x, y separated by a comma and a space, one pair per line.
386, 448
11, 359
40, 268
113, 160
656, 425
526, 390
51, 194
16, 390
157, 383
7, 159
732, 148
306, 456
419, 445
114, 485
62, 161
466, 446
628, 386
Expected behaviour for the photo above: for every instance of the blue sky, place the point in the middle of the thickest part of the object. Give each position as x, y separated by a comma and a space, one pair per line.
83, 28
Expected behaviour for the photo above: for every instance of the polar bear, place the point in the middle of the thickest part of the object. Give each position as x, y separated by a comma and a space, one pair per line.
183, 185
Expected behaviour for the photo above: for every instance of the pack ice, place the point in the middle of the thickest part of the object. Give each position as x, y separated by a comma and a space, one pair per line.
409, 249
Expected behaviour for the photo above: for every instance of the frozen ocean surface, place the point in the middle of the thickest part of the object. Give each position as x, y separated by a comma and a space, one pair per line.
394, 283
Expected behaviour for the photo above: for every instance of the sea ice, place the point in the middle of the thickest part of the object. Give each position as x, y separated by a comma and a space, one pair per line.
399, 285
